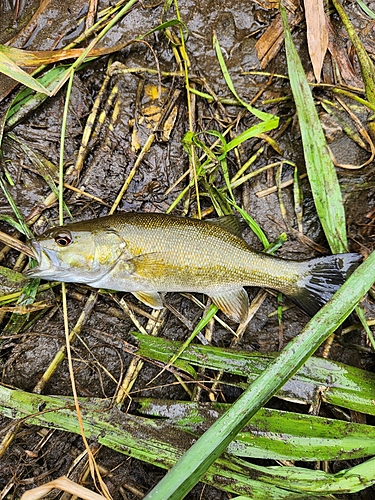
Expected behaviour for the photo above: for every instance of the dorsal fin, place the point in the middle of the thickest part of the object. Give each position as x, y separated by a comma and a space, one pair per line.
230, 223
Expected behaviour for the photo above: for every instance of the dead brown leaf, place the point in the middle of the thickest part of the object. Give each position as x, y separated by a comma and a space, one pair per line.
33, 58
317, 34
15, 243
272, 39
37, 306
63, 484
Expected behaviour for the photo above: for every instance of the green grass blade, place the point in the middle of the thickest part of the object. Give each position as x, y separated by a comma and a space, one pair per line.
254, 226
9, 68
253, 131
259, 114
21, 223
320, 168
11, 222
366, 10
190, 468
26, 100
212, 310
162, 27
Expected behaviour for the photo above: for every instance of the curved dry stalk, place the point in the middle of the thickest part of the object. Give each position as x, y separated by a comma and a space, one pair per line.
63, 484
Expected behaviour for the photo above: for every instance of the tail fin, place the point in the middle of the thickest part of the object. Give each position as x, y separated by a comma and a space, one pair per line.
322, 279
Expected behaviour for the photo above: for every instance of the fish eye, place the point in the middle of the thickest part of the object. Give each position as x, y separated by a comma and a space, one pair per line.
63, 238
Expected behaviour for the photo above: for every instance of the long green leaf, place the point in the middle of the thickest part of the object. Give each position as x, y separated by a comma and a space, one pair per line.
338, 384
320, 168
137, 437
26, 100
153, 442
272, 434
267, 117
21, 226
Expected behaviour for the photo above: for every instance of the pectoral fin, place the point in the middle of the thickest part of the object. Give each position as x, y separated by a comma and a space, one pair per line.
151, 299
148, 264
234, 303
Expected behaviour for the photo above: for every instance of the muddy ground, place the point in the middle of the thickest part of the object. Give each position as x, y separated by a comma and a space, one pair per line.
98, 359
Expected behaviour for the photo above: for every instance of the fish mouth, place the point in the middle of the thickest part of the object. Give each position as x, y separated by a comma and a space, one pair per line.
36, 252
34, 246
45, 261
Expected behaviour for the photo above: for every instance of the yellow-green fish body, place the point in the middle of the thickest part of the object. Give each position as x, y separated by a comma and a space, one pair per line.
148, 253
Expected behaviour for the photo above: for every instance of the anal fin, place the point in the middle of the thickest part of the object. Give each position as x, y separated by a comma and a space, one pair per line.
234, 304
152, 299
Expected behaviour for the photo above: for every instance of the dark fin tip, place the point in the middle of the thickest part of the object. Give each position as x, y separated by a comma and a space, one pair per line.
325, 277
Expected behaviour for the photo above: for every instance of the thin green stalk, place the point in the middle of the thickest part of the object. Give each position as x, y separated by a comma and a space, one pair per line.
86, 53
366, 64
62, 149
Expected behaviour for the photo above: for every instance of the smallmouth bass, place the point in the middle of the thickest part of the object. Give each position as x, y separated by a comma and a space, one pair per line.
148, 253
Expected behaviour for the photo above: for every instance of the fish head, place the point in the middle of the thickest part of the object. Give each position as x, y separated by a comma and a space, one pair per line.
75, 255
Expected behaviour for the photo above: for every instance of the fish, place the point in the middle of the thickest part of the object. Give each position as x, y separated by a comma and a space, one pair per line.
149, 254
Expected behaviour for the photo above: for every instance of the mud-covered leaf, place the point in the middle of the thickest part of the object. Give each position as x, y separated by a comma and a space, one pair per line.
338, 384
273, 434
145, 439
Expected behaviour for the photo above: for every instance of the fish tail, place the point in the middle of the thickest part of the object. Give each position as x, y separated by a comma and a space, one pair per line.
321, 278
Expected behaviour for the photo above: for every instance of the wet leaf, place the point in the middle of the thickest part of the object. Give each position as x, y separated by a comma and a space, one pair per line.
160, 444
343, 385
34, 58
146, 439
26, 100
272, 434
11, 69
